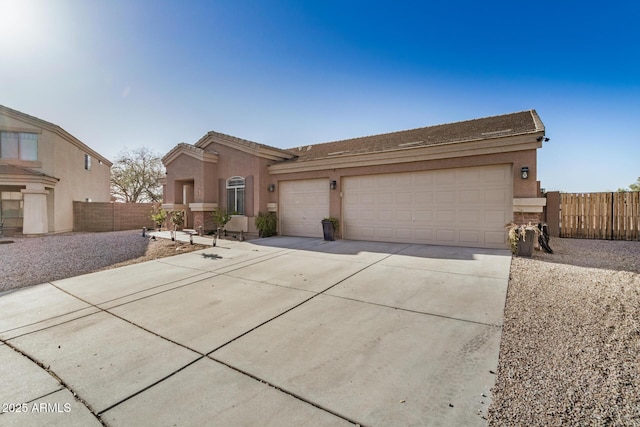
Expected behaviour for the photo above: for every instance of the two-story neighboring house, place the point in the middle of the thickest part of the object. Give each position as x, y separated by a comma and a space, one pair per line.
43, 169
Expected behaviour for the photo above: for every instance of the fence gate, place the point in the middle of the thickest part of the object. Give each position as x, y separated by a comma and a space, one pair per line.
613, 216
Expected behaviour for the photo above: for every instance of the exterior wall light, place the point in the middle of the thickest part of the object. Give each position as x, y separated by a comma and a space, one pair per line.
332, 185
272, 188
524, 172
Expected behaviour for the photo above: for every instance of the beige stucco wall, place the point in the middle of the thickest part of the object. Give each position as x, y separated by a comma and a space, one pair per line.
76, 183
60, 158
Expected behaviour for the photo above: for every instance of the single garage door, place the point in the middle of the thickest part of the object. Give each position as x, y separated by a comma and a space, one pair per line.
459, 207
303, 205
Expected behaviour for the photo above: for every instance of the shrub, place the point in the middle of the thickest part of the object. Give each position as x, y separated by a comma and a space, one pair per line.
266, 223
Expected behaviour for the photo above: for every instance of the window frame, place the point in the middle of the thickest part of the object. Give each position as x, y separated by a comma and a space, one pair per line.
236, 187
22, 140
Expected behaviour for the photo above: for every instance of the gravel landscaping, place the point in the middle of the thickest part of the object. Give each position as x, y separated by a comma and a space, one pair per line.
33, 260
570, 351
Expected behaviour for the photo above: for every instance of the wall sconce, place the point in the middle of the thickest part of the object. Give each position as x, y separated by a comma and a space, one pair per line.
272, 188
524, 172
332, 185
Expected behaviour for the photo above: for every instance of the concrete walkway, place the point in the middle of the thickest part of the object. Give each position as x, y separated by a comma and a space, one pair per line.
277, 331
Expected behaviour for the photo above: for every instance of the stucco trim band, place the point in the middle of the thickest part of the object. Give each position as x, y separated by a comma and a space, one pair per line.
529, 205
203, 207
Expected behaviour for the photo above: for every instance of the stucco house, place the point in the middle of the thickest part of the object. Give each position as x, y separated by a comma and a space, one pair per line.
451, 184
43, 169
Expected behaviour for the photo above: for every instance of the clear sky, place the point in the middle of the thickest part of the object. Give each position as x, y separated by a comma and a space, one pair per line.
127, 73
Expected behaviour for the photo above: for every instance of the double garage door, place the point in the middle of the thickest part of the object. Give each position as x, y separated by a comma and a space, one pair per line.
459, 207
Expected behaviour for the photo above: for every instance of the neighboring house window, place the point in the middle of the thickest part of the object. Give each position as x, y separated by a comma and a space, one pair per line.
11, 209
87, 162
235, 195
19, 145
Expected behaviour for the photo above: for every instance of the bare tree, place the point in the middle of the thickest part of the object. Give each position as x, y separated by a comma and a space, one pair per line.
135, 176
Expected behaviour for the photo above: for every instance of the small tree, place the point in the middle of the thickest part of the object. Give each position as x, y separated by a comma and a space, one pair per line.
220, 218
158, 215
177, 219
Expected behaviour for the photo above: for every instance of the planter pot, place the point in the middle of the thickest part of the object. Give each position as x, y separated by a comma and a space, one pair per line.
525, 247
328, 230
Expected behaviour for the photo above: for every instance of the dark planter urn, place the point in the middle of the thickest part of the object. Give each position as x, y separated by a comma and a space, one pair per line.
328, 230
525, 247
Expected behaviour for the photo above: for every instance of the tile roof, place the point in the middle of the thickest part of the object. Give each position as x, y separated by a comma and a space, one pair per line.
520, 123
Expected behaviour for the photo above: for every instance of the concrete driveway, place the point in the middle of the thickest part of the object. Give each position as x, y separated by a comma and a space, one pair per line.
278, 331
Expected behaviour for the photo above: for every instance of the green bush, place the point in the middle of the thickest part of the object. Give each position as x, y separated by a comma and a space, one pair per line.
220, 218
158, 215
266, 223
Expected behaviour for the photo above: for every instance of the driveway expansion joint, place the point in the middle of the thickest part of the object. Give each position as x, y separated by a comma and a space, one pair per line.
285, 391
60, 381
408, 310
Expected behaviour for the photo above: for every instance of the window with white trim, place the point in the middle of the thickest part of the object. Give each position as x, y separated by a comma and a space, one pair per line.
235, 195
19, 145
87, 162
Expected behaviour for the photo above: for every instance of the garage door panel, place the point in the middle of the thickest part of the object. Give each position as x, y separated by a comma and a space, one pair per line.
464, 206
385, 182
403, 234
470, 196
445, 197
423, 216
384, 233
470, 177
495, 219
384, 198
495, 196
423, 179
445, 217
445, 177
470, 217
497, 175
495, 238
422, 198
444, 236
384, 215
402, 181
423, 235
469, 237
402, 197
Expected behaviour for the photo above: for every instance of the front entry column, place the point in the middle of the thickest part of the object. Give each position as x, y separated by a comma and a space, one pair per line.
35, 219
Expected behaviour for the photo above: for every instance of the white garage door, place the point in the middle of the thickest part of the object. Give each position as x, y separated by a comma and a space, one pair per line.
303, 205
460, 207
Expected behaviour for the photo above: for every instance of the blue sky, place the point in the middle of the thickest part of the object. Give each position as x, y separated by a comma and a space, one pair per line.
127, 73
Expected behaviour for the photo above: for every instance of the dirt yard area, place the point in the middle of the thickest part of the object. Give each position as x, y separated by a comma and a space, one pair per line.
571, 338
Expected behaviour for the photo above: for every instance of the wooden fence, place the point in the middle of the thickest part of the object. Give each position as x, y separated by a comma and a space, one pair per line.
611, 216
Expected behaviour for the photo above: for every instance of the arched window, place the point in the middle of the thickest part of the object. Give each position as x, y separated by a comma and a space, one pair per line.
235, 195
